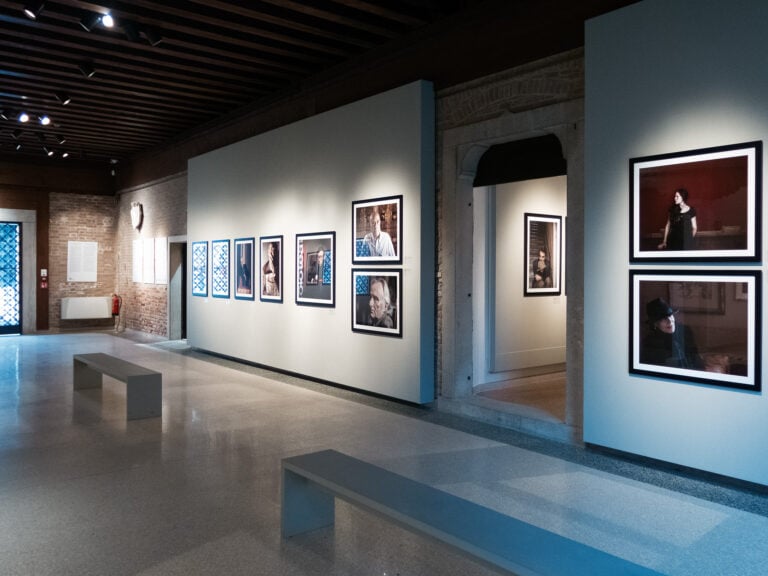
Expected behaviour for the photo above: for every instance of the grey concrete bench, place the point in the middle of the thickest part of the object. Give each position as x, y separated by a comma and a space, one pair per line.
144, 387
311, 482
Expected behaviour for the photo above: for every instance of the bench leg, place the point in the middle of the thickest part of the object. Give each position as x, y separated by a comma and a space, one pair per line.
305, 505
144, 396
84, 377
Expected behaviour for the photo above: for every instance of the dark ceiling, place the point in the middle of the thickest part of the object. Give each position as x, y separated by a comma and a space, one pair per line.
167, 67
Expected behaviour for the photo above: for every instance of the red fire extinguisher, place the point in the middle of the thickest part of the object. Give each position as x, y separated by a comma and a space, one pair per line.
117, 302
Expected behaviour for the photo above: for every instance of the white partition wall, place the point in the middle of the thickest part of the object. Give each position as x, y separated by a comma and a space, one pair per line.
665, 76
302, 179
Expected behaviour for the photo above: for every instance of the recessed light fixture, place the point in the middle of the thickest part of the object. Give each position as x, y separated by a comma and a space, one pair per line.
89, 21
86, 69
32, 9
63, 97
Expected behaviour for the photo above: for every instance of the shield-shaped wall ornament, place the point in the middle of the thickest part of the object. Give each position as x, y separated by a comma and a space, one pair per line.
137, 214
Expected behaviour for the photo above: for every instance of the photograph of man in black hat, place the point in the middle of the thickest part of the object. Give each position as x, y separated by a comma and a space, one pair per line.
669, 343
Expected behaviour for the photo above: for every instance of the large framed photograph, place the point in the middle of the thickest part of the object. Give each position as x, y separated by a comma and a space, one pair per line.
697, 205
699, 326
377, 306
220, 268
543, 254
271, 269
244, 267
316, 269
200, 268
377, 231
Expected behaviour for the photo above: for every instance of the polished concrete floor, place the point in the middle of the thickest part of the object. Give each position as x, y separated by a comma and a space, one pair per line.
83, 492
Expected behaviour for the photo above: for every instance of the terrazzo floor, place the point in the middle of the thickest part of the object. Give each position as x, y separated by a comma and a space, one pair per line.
84, 492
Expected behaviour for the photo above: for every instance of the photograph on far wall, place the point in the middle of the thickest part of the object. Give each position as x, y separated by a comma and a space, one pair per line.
543, 254
377, 306
220, 268
200, 268
696, 326
244, 269
316, 269
377, 231
697, 205
271, 268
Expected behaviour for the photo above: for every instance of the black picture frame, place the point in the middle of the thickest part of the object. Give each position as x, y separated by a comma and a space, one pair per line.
200, 268
371, 312
716, 340
316, 269
387, 247
220, 268
244, 252
543, 254
271, 269
722, 187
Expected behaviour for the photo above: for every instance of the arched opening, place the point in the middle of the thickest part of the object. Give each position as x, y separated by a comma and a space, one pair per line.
520, 303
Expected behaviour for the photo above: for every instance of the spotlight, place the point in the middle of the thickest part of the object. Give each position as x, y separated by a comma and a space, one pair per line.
18, 146
107, 20
3, 115
33, 9
65, 154
130, 31
23, 117
89, 21
48, 151
45, 120
152, 36
61, 139
63, 97
86, 69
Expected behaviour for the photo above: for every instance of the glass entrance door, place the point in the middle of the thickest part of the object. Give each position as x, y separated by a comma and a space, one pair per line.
10, 278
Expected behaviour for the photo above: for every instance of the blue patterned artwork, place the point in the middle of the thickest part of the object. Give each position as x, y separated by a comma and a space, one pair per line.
10, 278
199, 268
220, 268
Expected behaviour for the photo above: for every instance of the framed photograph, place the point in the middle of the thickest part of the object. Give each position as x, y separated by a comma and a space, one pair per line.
697, 205
244, 269
377, 306
683, 327
220, 268
377, 231
200, 268
271, 269
543, 254
316, 269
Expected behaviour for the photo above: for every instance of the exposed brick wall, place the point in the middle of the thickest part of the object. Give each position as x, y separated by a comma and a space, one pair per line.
145, 306
81, 218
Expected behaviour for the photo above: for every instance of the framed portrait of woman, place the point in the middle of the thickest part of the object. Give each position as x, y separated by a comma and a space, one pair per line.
271, 269
697, 205
699, 326
244, 269
543, 255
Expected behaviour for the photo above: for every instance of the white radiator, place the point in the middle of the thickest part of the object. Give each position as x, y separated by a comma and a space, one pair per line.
86, 307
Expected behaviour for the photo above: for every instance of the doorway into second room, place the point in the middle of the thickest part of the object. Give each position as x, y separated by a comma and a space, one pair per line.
519, 308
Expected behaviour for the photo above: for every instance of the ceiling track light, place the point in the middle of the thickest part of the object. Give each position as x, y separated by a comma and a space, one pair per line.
153, 36
23, 117
60, 139
86, 69
32, 9
130, 31
3, 115
65, 154
89, 21
107, 21
45, 120
63, 97
18, 146
17, 133
48, 151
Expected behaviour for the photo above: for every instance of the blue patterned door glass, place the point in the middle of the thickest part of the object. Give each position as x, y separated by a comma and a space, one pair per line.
10, 278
